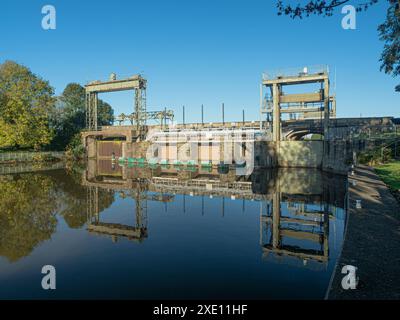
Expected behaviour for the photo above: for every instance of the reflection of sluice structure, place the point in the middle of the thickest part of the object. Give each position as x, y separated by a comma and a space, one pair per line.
298, 229
136, 232
116, 230
296, 205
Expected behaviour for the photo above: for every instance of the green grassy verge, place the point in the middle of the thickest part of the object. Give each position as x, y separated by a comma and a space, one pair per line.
390, 174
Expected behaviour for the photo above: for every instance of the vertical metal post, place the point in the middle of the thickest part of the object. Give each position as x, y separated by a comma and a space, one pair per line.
326, 108
223, 114
95, 111
87, 110
137, 111
243, 117
261, 105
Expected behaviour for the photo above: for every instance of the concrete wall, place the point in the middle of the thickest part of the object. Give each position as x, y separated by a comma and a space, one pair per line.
338, 156
91, 147
307, 154
265, 154
335, 156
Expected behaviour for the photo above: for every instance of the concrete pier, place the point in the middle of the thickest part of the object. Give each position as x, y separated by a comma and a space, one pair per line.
372, 240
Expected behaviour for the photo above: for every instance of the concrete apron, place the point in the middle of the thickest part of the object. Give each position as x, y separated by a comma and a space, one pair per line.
372, 240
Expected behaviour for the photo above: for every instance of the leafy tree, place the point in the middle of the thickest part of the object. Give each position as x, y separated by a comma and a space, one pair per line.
73, 98
389, 31
68, 118
25, 103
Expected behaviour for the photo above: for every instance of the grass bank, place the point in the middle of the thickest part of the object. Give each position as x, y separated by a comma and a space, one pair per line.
390, 174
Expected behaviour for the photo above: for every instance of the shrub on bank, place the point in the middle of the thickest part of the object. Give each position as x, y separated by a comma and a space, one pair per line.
375, 156
75, 149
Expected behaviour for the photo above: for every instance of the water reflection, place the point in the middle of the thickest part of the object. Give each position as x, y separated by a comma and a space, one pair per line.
296, 205
208, 233
27, 214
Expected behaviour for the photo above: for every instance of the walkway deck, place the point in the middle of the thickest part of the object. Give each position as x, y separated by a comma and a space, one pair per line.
372, 242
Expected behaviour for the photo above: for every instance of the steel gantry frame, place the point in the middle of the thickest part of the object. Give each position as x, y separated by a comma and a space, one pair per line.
303, 103
136, 83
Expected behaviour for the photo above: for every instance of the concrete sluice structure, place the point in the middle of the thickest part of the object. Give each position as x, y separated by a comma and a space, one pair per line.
294, 204
276, 141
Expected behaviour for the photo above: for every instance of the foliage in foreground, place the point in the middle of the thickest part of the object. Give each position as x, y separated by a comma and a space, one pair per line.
389, 30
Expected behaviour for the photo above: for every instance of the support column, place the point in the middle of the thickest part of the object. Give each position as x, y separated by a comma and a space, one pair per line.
95, 111
91, 111
277, 114
221, 149
87, 106
261, 105
326, 108
137, 109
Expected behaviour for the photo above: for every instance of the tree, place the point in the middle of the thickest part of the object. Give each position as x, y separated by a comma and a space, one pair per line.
320, 7
68, 118
73, 98
389, 31
25, 103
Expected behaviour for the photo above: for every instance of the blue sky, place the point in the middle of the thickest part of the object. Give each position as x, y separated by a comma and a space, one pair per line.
198, 52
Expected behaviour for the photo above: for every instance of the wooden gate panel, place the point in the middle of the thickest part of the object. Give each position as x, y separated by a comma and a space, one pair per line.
107, 148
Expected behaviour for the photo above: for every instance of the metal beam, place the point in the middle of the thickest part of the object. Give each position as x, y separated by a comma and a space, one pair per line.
132, 83
300, 110
303, 79
302, 97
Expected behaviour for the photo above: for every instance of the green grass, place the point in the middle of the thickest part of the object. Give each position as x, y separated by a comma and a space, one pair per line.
390, 174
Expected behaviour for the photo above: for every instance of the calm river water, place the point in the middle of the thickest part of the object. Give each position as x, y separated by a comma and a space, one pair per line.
166, 233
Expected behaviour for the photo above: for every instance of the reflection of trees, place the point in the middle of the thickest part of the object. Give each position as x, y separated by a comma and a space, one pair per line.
27, 213
72, 197
29, 204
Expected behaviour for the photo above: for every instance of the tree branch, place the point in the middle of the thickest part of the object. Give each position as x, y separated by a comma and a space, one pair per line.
317, 7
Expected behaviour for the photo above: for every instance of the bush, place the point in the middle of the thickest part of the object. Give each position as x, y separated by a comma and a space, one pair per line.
375, 156
75, 149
